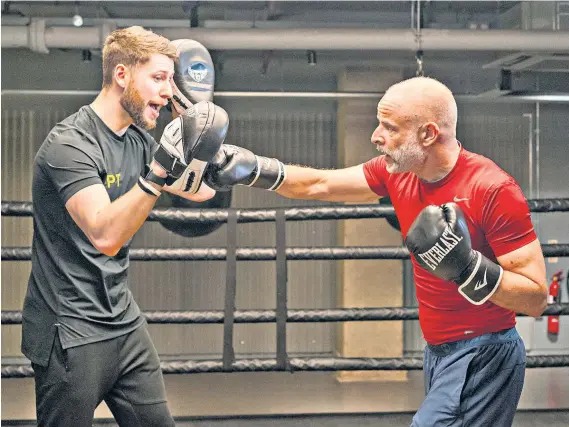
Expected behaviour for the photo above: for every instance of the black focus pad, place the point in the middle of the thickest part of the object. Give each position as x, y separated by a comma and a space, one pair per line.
193, 71
391, 219
221, 200
204, 128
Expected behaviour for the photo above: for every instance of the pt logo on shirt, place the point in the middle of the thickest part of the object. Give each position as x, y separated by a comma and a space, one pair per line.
113, 180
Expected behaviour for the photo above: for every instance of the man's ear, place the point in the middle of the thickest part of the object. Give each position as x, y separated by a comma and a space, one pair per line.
429, 133
122, 75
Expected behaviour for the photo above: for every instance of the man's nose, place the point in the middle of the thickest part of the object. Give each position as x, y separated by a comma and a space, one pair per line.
167, 91
376, 138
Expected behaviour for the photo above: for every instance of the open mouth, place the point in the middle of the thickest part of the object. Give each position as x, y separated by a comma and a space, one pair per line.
154, 107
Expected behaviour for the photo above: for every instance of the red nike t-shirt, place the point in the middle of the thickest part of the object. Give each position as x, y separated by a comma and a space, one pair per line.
499, 222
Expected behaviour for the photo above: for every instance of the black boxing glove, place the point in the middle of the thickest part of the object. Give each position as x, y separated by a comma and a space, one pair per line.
440, 242
234, 165
195, 135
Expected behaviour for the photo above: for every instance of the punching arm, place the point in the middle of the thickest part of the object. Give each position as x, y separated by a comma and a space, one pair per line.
332, 185
239, 166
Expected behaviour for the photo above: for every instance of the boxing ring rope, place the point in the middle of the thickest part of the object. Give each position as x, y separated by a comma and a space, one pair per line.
268, 254
281, 316
204, 216
202, 317
297, 364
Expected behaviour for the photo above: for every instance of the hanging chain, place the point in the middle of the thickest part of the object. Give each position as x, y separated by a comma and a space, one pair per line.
419, 42
419, 58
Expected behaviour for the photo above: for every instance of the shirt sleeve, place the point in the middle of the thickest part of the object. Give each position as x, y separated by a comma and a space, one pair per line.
506, 219
376, 175
72, 162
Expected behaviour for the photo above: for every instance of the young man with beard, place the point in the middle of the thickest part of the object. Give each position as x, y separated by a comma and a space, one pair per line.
476, 258
96, 178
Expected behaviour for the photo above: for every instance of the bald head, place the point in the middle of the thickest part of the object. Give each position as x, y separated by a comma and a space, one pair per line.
423, 99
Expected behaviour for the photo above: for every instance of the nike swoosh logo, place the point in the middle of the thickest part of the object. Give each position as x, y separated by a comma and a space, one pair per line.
456, 199
479, 284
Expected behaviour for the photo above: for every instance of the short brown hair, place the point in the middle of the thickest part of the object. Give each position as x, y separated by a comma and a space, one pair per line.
133, 46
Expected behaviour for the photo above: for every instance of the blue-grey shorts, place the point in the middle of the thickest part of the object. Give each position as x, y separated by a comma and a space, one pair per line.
476, 382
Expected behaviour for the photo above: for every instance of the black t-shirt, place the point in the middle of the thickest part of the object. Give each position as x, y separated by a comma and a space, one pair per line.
74, 289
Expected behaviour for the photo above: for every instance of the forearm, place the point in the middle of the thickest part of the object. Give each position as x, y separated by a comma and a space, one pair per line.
303, 183
117, 222
520, 294
330, 185
238, 166
203, 194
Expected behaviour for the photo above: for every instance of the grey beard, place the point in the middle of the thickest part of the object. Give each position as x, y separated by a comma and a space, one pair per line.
406, 158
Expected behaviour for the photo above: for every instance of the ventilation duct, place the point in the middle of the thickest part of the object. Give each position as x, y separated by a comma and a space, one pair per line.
36, 36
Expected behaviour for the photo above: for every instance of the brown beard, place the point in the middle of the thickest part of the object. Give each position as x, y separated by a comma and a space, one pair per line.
134, 105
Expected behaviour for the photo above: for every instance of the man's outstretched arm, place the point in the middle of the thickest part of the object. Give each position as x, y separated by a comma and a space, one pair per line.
238, 166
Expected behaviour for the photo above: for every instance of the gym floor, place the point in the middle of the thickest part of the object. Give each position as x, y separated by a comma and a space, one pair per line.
301, 399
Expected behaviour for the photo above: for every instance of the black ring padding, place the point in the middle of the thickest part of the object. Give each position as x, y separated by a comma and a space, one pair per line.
10, 317
230, 291
17, 371
293, 316
243, 254
297, 364
16, 208
244, 215
549, 205
300, 364
281, 290
555, 250
269, 254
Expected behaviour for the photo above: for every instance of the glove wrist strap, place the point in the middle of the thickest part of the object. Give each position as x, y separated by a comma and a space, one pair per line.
147, 187
173, 166
482, 281
269, 174
149, 175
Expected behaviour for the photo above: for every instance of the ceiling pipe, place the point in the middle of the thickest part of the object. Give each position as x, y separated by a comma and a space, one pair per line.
513, 97
37, 36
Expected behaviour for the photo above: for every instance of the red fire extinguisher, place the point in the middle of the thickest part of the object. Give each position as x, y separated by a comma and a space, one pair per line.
554, 297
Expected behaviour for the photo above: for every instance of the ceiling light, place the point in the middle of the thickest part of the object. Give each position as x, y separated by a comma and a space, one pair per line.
548, 98
539, 97
77, 19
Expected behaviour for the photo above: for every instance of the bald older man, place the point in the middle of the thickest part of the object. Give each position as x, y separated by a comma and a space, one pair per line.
476, 258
